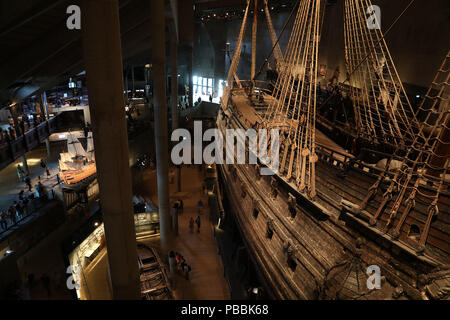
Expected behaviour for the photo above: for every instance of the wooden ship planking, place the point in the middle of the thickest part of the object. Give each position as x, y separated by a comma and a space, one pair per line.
331, 211
153, 278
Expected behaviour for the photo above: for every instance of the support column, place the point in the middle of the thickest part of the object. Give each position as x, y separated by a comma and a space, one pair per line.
47, 145
190, 72
25, 165
147, 81
174, 84
126, 84
45, 104
161, 127
13, 111
103, 60
132, 82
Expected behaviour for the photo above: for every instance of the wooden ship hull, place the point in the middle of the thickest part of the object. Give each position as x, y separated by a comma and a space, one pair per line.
321, 248
153, 278
75, 176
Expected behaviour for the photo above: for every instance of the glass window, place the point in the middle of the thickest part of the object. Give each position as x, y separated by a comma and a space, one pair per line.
210, 82
200, 81
205, 80
194, 79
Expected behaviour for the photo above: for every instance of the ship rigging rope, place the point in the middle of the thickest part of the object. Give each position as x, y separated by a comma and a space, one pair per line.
236, 57
293, 107
413, 170
277, 53
382, 108
357, 112
278, 40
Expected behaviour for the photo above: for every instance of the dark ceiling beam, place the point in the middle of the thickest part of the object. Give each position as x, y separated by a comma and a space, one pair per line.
40, 8
135, 29
42, 50
219, 4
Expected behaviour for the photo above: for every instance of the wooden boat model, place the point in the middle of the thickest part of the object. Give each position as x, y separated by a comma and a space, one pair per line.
318, 226
77, 164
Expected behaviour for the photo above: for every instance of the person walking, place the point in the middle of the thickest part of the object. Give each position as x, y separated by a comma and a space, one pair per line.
28, 183
191, 225
43, 164
3, 221
20, 173
25, 206
12, 214
198, 223
19, 209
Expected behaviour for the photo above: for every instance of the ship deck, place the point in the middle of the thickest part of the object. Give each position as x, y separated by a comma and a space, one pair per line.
250, 118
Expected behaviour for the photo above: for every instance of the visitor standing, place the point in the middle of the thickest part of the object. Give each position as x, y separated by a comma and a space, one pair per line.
3, 221
191, 225
12, 214
198, 224
28, 183
20, 173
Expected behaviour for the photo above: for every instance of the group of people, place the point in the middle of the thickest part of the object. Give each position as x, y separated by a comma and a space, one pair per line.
192, 222
21, 207
18, 210
179, 264
23, 125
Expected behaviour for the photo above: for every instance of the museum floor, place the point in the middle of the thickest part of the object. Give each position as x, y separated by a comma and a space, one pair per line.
207, 279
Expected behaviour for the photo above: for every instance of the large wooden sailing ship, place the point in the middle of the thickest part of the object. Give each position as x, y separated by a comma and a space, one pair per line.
334, 209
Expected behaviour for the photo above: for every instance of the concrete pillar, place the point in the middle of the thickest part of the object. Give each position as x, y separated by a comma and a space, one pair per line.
103, 60
160, 109
45, 104
132, 82
190, 72
47, 145
87, 115
13, 111
174, 81
126, 85
25, 165
147, 80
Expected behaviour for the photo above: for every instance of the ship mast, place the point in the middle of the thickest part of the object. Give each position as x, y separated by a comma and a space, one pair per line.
254, 33
293, 108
